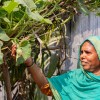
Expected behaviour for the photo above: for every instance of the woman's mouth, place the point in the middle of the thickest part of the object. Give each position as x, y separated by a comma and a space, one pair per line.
83, 63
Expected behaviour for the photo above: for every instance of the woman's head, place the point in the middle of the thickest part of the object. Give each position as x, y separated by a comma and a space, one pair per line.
90, 54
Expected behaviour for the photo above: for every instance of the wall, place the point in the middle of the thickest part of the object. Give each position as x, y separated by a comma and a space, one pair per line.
80, 28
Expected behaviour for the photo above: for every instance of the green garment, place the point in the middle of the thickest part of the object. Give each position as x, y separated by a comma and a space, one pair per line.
77, 84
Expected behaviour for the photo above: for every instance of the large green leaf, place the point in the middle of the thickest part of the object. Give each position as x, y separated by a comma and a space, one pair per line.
3, 35
30, 5
10, 6
34, 15
53, 65
23, 52
26, 49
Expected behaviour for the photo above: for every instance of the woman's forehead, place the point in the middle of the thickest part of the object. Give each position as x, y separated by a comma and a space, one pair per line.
87, 46
95, 42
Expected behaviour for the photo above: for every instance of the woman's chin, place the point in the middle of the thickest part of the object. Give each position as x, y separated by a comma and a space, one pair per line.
86, 68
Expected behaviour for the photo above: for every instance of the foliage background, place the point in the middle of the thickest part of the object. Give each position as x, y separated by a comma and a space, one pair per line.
38, 29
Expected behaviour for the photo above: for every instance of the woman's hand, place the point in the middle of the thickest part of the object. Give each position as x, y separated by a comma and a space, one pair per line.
29, 62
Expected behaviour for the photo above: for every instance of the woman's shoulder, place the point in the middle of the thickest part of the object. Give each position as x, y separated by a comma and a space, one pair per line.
70, 73
75, 71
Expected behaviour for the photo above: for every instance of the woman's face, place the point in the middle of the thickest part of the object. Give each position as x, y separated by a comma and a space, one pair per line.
89, 58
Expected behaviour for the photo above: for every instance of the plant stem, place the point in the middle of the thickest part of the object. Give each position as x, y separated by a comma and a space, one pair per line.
7, 79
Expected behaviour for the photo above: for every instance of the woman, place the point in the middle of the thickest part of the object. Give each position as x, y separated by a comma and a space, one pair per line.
78, 84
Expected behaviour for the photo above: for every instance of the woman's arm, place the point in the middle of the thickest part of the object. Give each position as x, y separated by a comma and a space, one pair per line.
38, 76
36, 73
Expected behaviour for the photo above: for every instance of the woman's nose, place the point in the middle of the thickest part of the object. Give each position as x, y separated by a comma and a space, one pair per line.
82, 55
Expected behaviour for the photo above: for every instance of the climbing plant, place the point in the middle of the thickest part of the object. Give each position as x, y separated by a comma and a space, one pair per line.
35, 28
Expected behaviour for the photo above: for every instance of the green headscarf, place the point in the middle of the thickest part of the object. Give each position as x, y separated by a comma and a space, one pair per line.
78, 84
95, 41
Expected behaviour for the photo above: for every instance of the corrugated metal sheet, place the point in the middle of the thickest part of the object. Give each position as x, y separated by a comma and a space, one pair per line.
81, 27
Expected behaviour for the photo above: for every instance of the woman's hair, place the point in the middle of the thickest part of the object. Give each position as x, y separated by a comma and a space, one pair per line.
89, 42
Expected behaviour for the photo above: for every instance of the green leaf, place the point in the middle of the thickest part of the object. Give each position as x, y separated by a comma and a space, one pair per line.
2, 13
27, 3
30, 4
83, 7
10, 6
17, 15
47, 21
23, 52
25, 47
98, 14
1, 44
85, 10
19, 60
6, 19
34, 15
53, 64
3, 35
39, 3
24, 43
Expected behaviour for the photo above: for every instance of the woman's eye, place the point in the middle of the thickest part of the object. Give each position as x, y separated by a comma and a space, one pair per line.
88, 52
